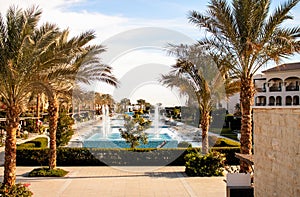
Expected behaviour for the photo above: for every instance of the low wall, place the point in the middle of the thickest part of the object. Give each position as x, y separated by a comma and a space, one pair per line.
277, 151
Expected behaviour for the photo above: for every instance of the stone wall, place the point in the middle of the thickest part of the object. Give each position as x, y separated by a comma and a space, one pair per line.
277, 151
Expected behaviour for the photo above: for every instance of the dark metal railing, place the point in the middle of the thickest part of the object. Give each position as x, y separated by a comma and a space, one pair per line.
292, 88
260, 104
275, 89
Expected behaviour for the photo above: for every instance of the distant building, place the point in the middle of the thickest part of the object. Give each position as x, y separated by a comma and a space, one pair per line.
278, 86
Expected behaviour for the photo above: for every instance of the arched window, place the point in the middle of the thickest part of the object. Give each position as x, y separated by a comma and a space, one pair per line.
288, 100
275, 84
260, 101
296, 100
271, 100
292, 84
278, 100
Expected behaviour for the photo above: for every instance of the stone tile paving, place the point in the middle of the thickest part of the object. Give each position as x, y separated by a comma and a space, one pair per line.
109, 181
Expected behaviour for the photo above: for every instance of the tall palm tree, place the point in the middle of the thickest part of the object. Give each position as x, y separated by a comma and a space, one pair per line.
196, 76
18, 73
244, 37
76, 62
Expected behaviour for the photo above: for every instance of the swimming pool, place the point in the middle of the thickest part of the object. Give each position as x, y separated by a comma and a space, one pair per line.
114, 140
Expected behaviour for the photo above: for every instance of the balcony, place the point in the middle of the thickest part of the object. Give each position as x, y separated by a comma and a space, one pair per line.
275, 89
292, 88
260, 104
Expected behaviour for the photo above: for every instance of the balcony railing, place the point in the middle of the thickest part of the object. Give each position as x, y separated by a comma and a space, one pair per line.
260, 104
292, 88
275, 89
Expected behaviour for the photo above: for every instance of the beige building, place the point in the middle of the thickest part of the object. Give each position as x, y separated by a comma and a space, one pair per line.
278, 86
276, 151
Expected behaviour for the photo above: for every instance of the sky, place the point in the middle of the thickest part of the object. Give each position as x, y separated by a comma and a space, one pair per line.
135, 34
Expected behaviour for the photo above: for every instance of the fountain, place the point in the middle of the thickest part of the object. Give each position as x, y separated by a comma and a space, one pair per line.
156, 121
105, 121
107, 135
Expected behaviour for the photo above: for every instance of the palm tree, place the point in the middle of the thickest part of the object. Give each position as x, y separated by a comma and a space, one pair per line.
18, 72
195, 75
244, 37
124, 103
76, 62
104, 99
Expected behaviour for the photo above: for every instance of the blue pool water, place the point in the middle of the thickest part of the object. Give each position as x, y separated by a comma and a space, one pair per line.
114, 140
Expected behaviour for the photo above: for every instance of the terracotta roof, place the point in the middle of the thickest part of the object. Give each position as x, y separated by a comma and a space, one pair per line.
283, 67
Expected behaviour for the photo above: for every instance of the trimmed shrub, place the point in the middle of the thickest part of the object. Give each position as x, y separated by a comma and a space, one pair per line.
77, 157
40, 142
211, 164
46, 172
116, 157
222, 142
229, 153
33, 156
26, 145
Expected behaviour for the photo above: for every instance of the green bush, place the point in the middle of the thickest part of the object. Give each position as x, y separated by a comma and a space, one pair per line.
16, 190
211, 164
64, 129
32, 156
46, 172
26, 145
77, 157
121, 157
40, 142
229, 154
222, 142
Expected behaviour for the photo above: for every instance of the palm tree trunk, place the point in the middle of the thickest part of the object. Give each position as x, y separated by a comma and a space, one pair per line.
205, 122
12, 121
53, 119
247, 100
38, 98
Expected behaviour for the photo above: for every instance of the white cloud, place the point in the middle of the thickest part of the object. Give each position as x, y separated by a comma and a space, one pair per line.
136, 69
129, 61
156, 93
105, 26
56, 12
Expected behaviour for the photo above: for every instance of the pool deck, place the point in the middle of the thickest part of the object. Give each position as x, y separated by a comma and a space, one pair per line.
130, 181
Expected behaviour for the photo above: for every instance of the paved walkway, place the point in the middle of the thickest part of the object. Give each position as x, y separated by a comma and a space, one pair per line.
131, 181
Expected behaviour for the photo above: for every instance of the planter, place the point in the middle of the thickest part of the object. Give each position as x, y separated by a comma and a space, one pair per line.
239, 184
238, 179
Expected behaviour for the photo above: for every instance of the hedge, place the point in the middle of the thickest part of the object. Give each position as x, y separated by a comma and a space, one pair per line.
114, 157
39, 142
